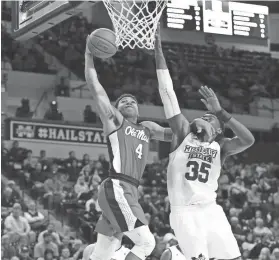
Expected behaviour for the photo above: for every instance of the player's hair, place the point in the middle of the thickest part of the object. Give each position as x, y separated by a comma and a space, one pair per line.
123, 96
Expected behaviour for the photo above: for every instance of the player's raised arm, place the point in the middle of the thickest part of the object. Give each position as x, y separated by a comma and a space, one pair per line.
106, 111
158, 132
243, 137
178, 123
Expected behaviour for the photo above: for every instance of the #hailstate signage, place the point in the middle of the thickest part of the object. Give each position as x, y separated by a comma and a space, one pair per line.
55, 133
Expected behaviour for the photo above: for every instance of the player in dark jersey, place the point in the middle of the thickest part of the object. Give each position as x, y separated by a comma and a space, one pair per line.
128, 148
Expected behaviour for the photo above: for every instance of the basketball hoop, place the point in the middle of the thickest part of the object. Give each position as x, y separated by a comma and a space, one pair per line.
135, 22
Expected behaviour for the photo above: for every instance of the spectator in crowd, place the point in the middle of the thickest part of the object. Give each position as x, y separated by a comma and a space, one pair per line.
7, 201
11, 185
49, 255
247, 213
105, 165
35, 218
17, 227
8, 249
95, 179
62, 89
38, 177
264, 254
81, 186
15, 258
53, 190
148, 206
65, 254
97, 170
275, 229
24, 109
29, 162
47, 244
249, 242
43, 160
53, 113
85, 160
253, 196
93, 200
16, 154
276, 198
264, 188
73, 170
238, 192
4, 155
275, 254
24, 253
260, 230
237, 230
69, 160
89, 116
55, 238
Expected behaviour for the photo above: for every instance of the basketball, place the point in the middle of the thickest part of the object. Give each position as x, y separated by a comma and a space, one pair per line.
101, 43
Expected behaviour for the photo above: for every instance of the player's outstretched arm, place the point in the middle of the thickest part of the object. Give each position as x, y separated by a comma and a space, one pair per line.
243, 137
178, 123
158, 132
106, 111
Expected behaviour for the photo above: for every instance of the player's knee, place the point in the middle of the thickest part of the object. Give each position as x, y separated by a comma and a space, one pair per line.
104, 247
150, 244
145, 245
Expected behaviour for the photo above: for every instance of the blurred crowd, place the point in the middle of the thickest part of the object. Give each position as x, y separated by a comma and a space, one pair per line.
239, 77
246, 75
65, 188
68, 189
16, 56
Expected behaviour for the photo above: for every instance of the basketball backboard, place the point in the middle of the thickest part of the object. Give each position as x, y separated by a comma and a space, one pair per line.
30, 18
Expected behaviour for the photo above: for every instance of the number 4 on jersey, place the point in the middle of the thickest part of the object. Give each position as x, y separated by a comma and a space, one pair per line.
139, 151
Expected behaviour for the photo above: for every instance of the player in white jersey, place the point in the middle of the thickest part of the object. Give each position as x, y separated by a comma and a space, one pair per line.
119, 254
198, 151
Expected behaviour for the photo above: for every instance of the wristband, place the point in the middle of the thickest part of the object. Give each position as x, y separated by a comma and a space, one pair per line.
224, 116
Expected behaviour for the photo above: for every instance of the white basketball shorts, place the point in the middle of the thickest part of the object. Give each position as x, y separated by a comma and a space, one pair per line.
203, 232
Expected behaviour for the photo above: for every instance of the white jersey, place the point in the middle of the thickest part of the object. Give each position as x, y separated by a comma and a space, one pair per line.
176, 254
119, 254
193, 172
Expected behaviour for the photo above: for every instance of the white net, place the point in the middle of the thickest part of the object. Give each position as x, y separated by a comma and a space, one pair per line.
135, 22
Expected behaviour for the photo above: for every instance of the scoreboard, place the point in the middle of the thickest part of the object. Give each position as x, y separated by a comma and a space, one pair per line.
217, 17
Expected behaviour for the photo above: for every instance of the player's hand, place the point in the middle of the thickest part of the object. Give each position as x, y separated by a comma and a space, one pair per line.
210, 99
204, 125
